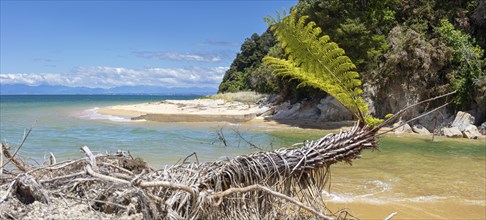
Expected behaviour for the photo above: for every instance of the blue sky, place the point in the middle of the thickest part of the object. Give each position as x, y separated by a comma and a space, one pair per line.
102, 44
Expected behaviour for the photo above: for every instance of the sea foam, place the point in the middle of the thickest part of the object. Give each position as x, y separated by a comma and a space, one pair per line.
92, 114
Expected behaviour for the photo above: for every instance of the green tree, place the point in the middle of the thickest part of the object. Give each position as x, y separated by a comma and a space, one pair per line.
359, 27
246, 71
466, 57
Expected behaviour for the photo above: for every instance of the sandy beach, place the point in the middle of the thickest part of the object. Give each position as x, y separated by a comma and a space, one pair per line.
214, 110
199, 110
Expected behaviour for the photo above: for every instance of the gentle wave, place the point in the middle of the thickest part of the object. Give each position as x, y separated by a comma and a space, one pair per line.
376, 186
92, 114
379, 187
383, 200
475, 202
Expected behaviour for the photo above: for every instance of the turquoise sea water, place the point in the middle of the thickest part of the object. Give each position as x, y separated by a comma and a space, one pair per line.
64, 123
411, 174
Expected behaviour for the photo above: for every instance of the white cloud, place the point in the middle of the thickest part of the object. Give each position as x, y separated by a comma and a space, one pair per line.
165, 55
108, 77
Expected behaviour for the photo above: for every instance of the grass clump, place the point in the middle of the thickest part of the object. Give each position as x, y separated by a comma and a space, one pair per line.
242, 96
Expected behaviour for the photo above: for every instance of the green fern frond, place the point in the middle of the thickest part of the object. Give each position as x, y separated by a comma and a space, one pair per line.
318, 62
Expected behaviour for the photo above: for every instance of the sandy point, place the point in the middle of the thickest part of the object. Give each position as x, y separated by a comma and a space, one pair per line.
199, 110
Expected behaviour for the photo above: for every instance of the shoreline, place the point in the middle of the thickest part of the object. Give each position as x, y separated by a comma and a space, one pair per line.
219, 110
198, 110
211, 111
368, 189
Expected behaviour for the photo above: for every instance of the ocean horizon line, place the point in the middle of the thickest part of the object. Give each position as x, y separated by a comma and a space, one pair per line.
107, 94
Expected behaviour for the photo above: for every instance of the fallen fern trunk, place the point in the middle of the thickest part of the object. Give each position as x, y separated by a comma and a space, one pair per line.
283, 184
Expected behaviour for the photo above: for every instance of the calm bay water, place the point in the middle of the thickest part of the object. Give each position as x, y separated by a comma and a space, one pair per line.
410, 175
62, 124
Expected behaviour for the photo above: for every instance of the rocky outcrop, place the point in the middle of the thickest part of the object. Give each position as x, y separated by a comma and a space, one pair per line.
419, 129
286, 110
482, 128
263, 111
332, 110
306, 111
326, 110
412, 63
471, 132
403, 128
436, 120
453, 132
462, 120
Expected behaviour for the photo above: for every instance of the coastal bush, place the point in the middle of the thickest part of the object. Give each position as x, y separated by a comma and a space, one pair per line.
247, 97
415, 68
247, 71
396, 45
466, 59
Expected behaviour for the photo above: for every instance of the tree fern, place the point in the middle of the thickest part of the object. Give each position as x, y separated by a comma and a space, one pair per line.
317, 62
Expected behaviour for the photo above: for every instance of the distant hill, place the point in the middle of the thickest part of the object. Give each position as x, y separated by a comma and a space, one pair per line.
21, 89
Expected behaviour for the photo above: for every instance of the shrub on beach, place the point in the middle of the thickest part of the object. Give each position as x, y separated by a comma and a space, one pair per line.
247, 97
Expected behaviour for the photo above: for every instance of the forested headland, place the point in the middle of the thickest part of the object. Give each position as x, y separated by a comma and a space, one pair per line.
405, 51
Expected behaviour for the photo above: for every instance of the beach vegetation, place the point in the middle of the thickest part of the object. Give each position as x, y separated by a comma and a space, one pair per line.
247, 97
466, 58
247, 71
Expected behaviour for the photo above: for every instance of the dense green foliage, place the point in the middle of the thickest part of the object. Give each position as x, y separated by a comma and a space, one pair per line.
404, 50
467, 58
247, 72
357, 26
317, 62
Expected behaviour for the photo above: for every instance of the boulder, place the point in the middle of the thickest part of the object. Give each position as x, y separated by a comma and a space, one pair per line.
451, 132
462, 120
471, 132
278, 108
332, 110
263, 111
419, 129
437, 119
403, 129
308, 111
482, 128
286, 113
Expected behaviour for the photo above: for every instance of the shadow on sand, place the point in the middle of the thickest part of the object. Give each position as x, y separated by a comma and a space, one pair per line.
313, 124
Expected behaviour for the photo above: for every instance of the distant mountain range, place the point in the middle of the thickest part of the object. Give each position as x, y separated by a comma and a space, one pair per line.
21, 89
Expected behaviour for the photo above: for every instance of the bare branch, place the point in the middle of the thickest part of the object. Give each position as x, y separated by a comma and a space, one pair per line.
52, 159
390, 216
396, 115
166, 184
7, 193
248, 142
413, 119
90, 171
62, 177
91, 158
220, 195
11, 158
20, 146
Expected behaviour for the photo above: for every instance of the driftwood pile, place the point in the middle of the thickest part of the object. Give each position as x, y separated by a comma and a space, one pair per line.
281, 184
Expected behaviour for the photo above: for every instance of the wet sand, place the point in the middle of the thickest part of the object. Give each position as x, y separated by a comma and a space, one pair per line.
413, 210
